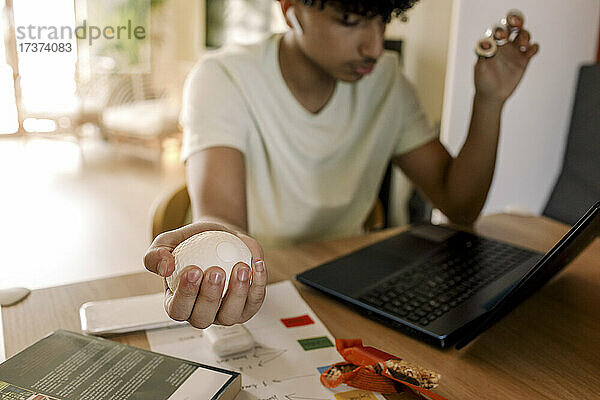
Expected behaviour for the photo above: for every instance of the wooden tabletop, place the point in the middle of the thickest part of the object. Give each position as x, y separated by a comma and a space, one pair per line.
547, 348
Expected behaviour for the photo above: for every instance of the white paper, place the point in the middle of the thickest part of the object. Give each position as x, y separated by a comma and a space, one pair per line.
201, 385
278, 367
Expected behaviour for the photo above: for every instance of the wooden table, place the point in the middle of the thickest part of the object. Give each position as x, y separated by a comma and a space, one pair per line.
547, 348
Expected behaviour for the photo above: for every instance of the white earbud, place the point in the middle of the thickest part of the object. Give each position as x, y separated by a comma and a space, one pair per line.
291, 14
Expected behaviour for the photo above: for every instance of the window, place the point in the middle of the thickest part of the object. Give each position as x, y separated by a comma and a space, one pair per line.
8, 108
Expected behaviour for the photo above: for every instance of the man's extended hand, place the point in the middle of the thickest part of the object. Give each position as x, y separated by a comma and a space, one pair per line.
497, 77
197, 298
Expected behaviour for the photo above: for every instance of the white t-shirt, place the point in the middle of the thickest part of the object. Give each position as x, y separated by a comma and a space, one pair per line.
308, 176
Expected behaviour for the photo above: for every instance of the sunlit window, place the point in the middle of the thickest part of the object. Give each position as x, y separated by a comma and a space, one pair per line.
47, 76
39, 125
8, 109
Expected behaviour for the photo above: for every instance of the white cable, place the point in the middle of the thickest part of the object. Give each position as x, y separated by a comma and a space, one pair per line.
291, 14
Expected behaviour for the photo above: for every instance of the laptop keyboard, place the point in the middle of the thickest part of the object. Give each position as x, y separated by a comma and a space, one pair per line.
424, 292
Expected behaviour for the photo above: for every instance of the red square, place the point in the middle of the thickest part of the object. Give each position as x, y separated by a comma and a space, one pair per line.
297, 321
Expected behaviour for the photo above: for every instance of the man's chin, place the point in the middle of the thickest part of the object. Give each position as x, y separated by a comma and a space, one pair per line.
350, 77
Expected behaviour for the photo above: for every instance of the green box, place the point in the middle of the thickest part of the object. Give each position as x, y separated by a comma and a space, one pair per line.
315, 343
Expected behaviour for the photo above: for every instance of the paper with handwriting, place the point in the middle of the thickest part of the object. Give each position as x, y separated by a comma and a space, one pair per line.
292, 347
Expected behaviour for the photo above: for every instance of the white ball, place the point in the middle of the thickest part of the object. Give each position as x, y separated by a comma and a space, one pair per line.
207, 249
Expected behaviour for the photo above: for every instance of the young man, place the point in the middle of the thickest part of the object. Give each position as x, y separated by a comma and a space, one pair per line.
288, 140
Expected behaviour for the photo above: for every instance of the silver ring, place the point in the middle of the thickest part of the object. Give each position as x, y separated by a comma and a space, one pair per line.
515, 20
499, 32
486, 47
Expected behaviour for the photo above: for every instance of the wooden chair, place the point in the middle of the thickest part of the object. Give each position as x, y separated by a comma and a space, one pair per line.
173, 210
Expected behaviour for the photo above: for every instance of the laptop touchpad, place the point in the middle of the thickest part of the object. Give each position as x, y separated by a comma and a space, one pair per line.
434, 233
353, 273
350, 275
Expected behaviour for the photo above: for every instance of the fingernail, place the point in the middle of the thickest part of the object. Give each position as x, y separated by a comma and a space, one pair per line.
243, 274
215, 278
523, 49
162, 268
259, 265
193, 276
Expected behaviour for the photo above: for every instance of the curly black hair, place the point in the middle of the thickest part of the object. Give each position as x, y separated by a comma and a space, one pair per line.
369, 8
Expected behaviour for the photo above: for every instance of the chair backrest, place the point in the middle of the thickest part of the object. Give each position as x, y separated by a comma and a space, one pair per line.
578, 186
171, 211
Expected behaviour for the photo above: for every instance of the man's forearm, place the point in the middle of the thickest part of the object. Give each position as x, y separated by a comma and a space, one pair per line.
469, 175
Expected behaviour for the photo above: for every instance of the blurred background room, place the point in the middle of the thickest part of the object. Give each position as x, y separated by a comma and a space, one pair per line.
89, 137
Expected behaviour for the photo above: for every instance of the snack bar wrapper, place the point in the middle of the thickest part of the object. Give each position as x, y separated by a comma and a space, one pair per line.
371, 369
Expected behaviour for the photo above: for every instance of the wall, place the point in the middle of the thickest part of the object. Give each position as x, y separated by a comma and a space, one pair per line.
536, 118
425, 50
177, 42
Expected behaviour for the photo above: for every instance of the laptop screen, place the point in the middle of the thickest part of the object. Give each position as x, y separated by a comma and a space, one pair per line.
571, 244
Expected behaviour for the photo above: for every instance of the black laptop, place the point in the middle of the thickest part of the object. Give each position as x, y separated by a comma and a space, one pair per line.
443, 285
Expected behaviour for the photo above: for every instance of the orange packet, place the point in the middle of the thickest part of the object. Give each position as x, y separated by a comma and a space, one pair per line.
366, 368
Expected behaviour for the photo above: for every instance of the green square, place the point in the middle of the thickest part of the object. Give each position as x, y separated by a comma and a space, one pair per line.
315, 343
